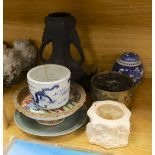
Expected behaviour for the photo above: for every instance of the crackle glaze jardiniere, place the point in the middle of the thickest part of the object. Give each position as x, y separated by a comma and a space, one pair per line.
112, 86
49, 86
109, 124
130, 64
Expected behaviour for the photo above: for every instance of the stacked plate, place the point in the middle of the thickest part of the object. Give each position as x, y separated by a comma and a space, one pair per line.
51, 122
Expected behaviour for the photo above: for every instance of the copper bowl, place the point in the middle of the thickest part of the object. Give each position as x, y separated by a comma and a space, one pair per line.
112, 86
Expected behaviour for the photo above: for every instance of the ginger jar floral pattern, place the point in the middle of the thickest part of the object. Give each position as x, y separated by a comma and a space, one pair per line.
130, 64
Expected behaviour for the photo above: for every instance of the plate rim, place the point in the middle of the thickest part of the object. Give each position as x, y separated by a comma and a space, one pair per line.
50, 135
48, 118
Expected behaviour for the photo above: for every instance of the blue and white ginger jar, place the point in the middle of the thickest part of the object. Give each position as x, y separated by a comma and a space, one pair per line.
130, 64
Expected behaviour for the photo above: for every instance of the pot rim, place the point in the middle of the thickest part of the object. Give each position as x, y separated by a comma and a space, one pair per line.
113, 72
56, 16
92, 112
32, 80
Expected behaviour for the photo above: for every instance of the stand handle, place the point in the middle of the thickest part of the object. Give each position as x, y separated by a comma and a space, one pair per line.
76, 42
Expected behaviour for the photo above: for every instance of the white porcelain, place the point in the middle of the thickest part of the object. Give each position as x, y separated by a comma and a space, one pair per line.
109, 124
49, 86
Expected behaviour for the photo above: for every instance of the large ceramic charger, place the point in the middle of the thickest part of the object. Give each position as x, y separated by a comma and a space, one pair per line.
25, 105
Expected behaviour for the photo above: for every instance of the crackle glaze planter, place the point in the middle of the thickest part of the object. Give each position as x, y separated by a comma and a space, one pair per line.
109, 124
112, 86
130, 64
49, 86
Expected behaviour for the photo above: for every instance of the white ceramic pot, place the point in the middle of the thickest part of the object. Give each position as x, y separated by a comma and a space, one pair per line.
49, 86
109, 124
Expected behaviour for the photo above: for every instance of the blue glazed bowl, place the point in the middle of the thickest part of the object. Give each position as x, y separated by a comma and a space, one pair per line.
130, 64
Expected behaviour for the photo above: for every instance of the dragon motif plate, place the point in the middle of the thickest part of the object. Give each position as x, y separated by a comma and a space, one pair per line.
25, 105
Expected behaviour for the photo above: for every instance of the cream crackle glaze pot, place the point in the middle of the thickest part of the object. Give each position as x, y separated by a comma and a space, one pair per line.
49, 86
109, 124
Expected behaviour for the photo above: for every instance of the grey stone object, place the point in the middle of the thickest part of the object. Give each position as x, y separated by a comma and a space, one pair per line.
16, 59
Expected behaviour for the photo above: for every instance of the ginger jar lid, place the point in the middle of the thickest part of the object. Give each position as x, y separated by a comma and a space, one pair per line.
129, 59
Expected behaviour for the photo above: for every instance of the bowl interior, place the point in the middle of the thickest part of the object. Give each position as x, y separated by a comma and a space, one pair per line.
109, 111
48, 73
112, 82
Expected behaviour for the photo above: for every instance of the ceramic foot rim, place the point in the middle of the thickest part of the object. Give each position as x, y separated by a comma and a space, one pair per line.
69, 124
56, 122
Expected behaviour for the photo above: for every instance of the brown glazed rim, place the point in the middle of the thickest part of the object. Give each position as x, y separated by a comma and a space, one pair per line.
57, 16
113, 72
